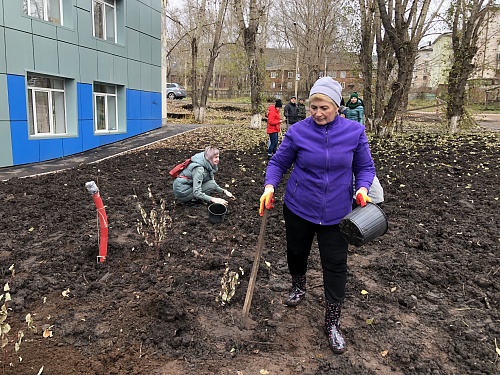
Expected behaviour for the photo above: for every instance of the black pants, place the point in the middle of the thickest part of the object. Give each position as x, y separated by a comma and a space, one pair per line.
332, 249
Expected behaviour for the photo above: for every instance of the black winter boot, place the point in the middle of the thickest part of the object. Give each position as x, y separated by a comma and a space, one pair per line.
332, 327
298, 292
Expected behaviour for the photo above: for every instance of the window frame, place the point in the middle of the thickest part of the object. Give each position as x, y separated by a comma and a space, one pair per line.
290, 74
45, 16
106, 97
105, 5
33, 113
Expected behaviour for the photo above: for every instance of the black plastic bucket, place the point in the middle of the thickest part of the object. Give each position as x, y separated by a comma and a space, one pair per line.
216, 213
364, 224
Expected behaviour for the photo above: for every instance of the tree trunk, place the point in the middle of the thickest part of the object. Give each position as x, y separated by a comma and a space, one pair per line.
195, 38
253, 56
468, 18
367, 8
405, 23
200, 113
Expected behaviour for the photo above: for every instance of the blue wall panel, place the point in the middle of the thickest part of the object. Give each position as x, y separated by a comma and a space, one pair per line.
17, 97
156, 123
24, 150
73, 145
146, 104
134, 127
85, 111
133, 104
51, 149
107, 139
89, 140
155, 105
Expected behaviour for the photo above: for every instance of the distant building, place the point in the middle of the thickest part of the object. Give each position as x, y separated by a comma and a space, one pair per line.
75, 75
280, 73
487, 59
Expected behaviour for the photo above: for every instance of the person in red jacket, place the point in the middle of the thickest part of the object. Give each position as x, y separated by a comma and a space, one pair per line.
273, 126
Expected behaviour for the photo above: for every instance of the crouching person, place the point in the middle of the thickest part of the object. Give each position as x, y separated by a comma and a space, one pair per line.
196, 183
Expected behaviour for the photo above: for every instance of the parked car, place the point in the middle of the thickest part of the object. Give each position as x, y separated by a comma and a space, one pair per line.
175, 91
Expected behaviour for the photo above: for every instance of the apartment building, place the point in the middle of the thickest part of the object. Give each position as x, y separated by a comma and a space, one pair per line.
76, 75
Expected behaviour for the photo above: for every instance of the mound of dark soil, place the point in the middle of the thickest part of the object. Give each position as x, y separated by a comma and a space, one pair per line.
433, 280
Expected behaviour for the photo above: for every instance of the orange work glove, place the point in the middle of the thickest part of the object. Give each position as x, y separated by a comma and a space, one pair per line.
362, 197
267, 199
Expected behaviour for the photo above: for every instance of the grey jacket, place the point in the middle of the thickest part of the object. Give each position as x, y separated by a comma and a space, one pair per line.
192, 179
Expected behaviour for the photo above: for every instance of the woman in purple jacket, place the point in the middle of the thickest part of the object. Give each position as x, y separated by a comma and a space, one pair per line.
326, 150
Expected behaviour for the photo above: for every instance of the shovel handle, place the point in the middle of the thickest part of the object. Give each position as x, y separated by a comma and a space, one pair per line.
255, 267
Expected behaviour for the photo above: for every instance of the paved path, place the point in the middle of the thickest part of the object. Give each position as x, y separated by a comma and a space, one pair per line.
490, 121
97, 154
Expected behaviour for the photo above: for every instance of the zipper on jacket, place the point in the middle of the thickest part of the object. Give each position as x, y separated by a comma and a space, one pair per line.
326, 175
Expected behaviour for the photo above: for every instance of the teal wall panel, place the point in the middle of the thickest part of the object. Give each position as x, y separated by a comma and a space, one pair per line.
68, 35
104, 67
84, 26
45, 54
14, 17
88, 65
145, 18
1, 12
155, 81
120, 70
84, 4
133, 45
69, 60
156, 5
44, 28
156, 51
134, 74
18, 59
145, 77
115, 49
4, 99
145, 48
3, 61
133, 18
5, 144
156, 24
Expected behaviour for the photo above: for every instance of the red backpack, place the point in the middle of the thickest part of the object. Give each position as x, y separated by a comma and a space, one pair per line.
175, 171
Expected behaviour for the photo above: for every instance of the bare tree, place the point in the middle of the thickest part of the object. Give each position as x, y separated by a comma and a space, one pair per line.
253, 16
467, 19
199, 106
405, 23
369, 27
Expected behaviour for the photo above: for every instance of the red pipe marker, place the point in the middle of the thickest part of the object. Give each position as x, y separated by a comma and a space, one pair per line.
103, 220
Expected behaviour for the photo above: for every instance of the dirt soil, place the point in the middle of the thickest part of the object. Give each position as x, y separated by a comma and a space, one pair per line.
432, 281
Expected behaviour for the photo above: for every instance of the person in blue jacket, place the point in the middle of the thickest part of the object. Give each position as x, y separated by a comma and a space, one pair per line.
327, 151
355, 109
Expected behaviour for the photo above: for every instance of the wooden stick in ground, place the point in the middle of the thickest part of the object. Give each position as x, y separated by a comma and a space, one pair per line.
253, 276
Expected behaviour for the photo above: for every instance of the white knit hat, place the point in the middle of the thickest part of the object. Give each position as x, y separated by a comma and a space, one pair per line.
329, 87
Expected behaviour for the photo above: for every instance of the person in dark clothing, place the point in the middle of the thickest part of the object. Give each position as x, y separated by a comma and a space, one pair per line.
290, 112
301, 109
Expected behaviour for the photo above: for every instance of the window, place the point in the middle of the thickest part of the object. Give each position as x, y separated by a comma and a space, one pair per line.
290, 74
105, 108
46, 105
342, 84
104, 19
273, 85
342, 74
289, 85
334, 74
274, 74
47, 10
